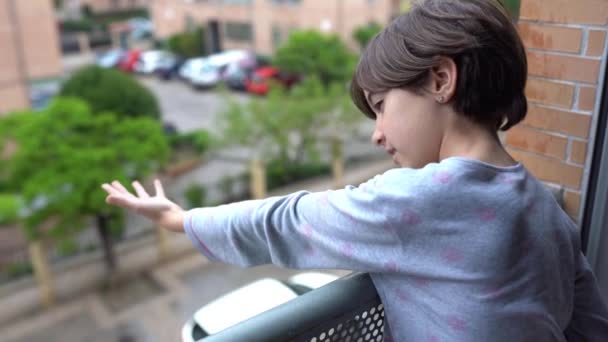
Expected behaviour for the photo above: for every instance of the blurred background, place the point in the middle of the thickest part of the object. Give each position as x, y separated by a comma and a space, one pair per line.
223, 100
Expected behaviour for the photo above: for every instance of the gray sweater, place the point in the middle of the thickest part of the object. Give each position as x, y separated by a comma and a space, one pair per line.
459, 250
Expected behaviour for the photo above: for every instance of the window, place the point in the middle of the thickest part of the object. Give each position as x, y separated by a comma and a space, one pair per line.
277, 36
286, 2
238, 31
237, 2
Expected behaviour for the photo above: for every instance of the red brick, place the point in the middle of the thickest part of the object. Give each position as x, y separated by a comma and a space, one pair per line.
565, 39
586, 98
551, 93
566, 11
578, 152
572, 203
549, 169
534, 140
568, 68
558, 121
597, 41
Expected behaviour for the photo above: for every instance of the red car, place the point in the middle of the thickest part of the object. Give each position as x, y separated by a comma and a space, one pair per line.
259, 82
128, 61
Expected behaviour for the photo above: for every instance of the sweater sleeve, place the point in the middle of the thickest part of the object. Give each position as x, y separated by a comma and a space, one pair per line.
589, 320
348, 228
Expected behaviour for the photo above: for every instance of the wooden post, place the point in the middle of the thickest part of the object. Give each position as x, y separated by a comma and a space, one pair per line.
164, 250
337, 163
258, 179
84, 44
42, 272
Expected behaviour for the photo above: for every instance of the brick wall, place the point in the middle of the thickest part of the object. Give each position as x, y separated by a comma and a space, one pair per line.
29, 49
565, 41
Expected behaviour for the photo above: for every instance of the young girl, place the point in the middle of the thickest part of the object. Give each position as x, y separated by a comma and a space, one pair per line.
461, 241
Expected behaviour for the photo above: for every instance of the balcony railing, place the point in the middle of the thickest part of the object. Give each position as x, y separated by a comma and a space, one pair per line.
344, 310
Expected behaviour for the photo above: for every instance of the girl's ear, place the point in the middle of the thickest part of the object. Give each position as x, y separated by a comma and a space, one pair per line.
443, 80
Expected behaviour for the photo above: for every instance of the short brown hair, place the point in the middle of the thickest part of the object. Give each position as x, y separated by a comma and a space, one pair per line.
478, 35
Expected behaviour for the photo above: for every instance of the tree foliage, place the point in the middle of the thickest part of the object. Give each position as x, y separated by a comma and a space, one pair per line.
288, 126
365, 33
313, 53
66, 152
188, 44
109, 90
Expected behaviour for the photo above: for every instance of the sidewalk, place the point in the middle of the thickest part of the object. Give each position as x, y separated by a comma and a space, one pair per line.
160, 304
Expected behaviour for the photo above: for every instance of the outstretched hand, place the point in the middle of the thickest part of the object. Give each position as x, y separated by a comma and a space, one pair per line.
157, 208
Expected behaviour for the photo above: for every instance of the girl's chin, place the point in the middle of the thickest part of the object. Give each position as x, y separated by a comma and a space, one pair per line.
395, 160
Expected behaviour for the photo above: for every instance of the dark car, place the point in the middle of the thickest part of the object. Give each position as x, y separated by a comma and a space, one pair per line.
170, 68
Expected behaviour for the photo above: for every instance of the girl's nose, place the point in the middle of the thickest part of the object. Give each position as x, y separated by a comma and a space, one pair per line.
378, 137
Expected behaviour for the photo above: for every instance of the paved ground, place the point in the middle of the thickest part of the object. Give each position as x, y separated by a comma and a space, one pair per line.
180, 288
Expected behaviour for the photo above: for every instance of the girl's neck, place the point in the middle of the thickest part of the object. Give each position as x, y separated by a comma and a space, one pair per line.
463, 138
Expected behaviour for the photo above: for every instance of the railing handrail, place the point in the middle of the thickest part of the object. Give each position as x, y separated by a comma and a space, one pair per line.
298, 319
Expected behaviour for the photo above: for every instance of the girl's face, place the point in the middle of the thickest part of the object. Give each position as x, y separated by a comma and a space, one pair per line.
410, 126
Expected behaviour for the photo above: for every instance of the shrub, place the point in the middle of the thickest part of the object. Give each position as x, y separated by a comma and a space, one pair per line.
67, 247
279, 174
196, 195
84, 25
18, 269
108, 90
198, 141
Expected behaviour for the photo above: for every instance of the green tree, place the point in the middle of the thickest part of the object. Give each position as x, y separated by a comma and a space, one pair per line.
313, 53
287, 126
108, 90
188, 44
363, 34
64, 154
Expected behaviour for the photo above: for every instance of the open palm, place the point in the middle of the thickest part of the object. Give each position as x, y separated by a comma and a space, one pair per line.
157, 208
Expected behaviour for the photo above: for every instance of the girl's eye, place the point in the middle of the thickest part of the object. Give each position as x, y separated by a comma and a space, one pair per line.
379, 106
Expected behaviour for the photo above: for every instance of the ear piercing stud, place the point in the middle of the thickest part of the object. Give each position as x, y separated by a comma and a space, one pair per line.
440, 99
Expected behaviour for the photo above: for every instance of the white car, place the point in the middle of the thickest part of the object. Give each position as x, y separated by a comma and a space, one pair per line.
211, 71
150, 61
248, 301
189, 67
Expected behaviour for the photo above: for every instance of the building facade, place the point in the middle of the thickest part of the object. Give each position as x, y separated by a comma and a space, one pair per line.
108, 5
29, 50
566, 45
261, 25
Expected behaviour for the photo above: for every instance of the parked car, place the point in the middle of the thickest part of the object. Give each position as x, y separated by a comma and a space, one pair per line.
189, 66
259, 82
170, 68
127, 63
150, 61
111, 58
248, 301
212, 70
237, 74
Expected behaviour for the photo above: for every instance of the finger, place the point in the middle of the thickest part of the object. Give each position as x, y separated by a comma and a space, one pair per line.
158, 186
122, 201
110, 189
141, 192
120, 187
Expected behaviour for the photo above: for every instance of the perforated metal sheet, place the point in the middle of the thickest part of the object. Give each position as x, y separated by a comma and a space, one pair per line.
367, 325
